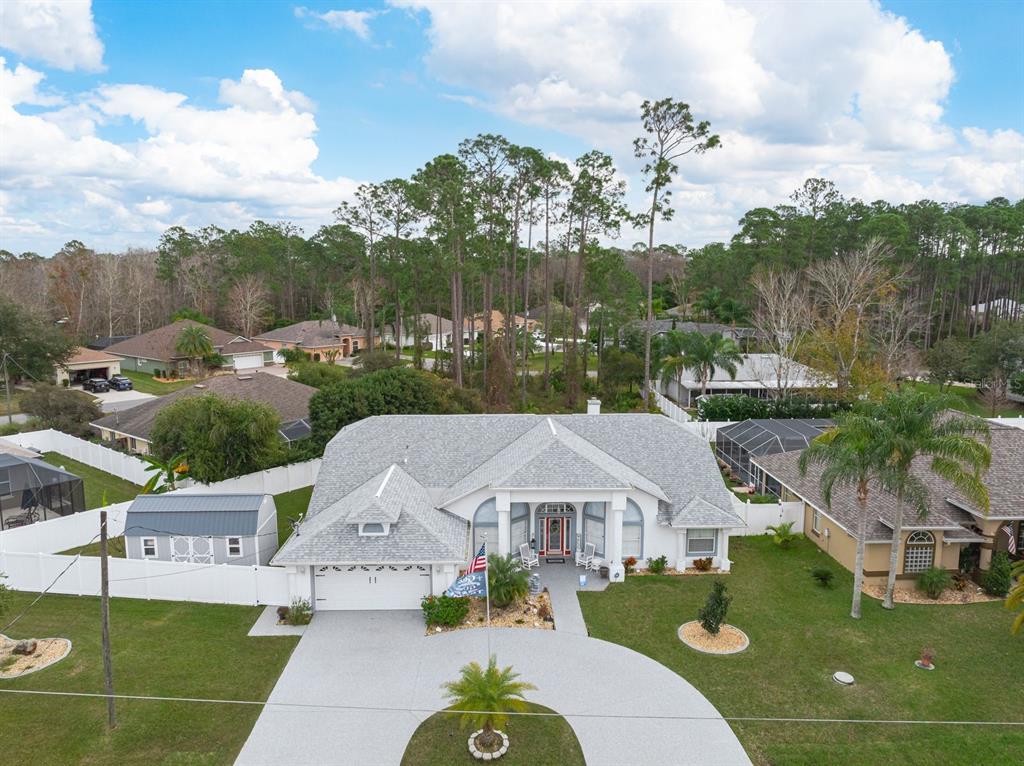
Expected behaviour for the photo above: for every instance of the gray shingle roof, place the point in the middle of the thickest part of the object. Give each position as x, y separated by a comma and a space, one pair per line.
188, 514
451, 455
418, 533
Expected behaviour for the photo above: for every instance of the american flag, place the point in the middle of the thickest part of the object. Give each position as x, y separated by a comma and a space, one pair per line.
479, 562
1011, 546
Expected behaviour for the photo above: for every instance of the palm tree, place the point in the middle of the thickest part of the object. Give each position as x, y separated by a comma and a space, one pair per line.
194, 343
507, 581
916, 425
850, 458
701, 354
486, 696
708, 303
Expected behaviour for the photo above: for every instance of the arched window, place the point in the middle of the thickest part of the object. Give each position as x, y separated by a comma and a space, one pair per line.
919, 554
632, 531
485, 526
520, 518
593, 526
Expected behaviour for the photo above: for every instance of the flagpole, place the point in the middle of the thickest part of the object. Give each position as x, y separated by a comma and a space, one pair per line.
487, 592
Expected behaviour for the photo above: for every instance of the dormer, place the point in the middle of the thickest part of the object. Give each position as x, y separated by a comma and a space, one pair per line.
374, 529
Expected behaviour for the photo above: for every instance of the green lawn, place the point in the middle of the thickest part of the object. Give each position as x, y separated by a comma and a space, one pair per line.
115, 547
969, 401
147, 384
801, 633
441, 741
100, 486
160, 648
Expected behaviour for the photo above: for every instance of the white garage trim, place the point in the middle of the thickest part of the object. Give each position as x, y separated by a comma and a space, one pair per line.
248, 361
370, 586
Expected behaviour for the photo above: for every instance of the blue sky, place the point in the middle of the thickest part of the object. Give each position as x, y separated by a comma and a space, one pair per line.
283, 108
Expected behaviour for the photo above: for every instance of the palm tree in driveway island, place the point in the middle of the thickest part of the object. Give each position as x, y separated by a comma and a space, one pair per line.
485, 697
194, 343
703, 355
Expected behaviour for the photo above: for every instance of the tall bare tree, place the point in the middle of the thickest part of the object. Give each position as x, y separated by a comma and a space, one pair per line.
248, 304
781, 321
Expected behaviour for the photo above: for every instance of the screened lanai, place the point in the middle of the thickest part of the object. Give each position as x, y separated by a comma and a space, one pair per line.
736, 444
31, 490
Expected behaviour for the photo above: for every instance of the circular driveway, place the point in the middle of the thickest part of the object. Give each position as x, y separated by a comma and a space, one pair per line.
623, 706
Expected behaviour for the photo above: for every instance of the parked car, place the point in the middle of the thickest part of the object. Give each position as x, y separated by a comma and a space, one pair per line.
120, 383
96, 385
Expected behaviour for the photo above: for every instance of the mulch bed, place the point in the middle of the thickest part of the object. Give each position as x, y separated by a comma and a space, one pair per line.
521, 614
677, 573
729, 640
48, 651
972, 594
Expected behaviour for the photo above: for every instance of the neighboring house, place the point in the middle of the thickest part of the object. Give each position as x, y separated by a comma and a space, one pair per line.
290, 400
202, 529
737, 443
103, 342
322, 339
155, 352
435, 331
951, 525
475, 324
32, 490
1000, 308
87, 363
401, 501
740, 335
763, 376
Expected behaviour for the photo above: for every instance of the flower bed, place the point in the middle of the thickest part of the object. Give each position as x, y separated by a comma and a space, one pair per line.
730, 639
970, 595
522, 614
47, 651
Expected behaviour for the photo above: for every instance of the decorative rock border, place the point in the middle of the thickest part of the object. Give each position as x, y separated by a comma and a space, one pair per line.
54, 661
480, 756
743, 636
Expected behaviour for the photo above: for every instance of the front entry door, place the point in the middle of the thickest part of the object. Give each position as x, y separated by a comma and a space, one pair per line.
556, 536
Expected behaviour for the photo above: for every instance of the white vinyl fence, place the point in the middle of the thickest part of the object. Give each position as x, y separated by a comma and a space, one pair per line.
64, 532
1015, 422
670, 408
127, 467
161, 580
760, 516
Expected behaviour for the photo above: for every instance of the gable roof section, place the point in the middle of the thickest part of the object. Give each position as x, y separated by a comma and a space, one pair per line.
159, 344
288, 398
193, 514
312, 333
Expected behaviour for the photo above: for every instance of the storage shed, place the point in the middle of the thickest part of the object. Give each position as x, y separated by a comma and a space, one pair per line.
737, 443
202, 529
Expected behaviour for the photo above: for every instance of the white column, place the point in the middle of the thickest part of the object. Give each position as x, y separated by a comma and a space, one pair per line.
723, 550
681, 550
503, 502
613, 537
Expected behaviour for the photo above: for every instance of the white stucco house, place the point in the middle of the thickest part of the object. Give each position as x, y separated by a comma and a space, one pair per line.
402, 501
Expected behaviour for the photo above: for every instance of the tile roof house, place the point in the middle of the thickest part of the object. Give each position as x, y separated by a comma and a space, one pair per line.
202, 529
323, 339
155, 352
401, 501
288, 398
951, 525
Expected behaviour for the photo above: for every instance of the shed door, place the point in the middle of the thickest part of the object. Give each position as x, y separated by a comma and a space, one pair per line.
371, 587
192, 550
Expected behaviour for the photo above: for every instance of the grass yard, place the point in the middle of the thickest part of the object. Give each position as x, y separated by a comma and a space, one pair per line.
968, 399
441, 741
159, 648
115, 547
147, 384
801, 633
99, 485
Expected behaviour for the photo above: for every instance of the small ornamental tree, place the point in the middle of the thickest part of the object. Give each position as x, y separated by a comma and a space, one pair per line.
716, 606
61, 409
486, 696
506, 580
999, 577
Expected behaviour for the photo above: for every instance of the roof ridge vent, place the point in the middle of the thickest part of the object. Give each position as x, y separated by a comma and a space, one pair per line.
384, 483
243, 377
551, 425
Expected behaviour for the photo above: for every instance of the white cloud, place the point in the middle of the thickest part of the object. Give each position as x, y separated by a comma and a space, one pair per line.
357, 22
60, 33
251, 158
842, 90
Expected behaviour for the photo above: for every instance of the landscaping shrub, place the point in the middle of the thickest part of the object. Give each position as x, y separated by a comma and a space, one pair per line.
998, 578
783, 534
742, 407
61, 409
703, 565
506, 579
629, 564
445, 610
299, 613
658, 565
823, 576
712, 614
933, 581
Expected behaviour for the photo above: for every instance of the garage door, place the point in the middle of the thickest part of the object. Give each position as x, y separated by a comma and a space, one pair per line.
371, 587
248, 361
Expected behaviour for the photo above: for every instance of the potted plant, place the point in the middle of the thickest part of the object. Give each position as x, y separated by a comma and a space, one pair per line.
486, 696
927, 655
629, 564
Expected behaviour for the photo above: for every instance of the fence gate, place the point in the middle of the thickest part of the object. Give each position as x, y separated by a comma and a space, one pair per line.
192, 550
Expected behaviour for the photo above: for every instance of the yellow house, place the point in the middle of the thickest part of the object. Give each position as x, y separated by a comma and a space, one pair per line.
953, 535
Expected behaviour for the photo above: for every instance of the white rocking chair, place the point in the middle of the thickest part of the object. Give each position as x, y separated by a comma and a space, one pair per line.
586, 556
528, 558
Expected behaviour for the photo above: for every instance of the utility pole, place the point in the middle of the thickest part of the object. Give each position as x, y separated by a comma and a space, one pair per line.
108, 671
7, 391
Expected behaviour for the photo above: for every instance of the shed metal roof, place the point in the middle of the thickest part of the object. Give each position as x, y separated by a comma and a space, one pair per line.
197, 515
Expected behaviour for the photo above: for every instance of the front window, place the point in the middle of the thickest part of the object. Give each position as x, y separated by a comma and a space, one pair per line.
520, 517
149, 547
485, 526
593, 526
815, 519
632, 531
920, 552
701, 542
234, 547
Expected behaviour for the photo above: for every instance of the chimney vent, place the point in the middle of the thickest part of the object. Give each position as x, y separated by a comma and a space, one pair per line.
593, 406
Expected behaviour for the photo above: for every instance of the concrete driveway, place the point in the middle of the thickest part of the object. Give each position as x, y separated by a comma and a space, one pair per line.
382, 660
116, 401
